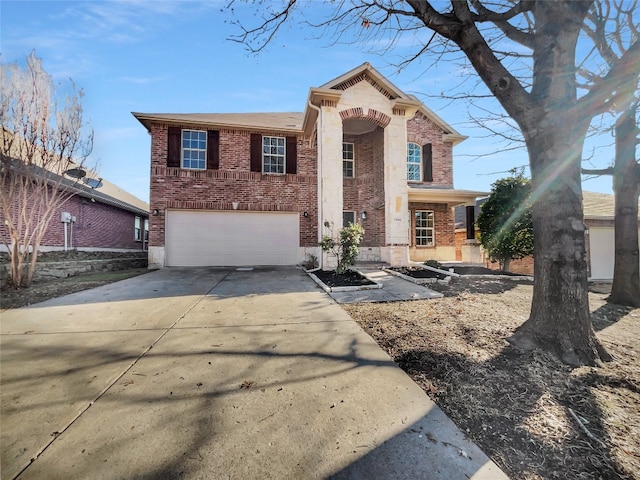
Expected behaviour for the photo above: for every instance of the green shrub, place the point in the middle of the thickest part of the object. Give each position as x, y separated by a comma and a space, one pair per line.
345, 246
433, 264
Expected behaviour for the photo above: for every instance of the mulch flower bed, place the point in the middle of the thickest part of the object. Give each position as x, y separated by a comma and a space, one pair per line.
349, 278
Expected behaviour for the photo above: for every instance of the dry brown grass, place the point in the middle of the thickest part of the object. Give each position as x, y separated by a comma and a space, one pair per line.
516, 406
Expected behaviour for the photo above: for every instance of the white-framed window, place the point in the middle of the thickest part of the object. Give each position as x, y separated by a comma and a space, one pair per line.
348, 217
146, 230
348, 162
273, 154
137, 229
414, 162
194, 149
425, 236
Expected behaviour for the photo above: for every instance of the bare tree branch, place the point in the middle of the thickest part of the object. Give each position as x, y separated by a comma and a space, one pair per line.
597, 171
501, 20
269, 28
616, 89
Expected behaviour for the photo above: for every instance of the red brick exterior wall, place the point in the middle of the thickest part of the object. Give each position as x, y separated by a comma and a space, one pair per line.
520, 265
176, 188
422, 130
97, 226
365, 191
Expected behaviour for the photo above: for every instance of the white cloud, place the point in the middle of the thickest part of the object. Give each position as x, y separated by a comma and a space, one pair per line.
142, 80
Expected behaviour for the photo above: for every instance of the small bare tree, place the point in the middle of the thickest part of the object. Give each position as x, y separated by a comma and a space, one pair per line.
41, 141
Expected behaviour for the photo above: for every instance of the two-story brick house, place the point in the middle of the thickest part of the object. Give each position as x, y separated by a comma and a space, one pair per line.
257, 188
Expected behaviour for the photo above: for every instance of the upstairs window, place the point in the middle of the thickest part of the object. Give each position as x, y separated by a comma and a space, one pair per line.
273, 154
194, 149
414, 162
347, 160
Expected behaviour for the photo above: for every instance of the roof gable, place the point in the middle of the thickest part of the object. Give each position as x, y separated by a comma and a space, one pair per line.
366, 73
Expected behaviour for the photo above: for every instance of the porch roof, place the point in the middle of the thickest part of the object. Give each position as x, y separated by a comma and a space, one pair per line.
451, 196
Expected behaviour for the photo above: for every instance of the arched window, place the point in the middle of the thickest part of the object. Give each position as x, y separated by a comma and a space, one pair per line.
414, 162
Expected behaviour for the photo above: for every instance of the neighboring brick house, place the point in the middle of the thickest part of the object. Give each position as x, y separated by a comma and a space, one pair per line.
105, 218
599, 216
256, 188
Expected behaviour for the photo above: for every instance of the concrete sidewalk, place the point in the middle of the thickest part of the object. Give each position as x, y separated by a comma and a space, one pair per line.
214, 373
394, 289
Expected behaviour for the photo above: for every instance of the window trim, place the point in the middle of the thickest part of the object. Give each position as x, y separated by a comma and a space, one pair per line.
182, 148
432, 229
284, 154
355, 219
417, 149
137, 228
352, 160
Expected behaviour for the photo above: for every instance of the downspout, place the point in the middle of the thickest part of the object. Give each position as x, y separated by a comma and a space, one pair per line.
320, 182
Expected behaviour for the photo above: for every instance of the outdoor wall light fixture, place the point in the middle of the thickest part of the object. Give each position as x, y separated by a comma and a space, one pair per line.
305, 214
363, 215
155, 212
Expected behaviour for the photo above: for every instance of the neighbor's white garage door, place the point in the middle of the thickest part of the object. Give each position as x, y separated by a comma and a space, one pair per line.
601, 252
205, 238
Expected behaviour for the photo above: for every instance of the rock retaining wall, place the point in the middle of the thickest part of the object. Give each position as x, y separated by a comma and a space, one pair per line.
46, 270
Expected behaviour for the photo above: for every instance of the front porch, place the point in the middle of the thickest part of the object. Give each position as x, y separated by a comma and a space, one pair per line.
432, 232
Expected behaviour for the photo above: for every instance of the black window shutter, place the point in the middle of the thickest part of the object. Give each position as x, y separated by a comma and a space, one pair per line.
256, 152
292, 155
213, 149
427, 163
173, 147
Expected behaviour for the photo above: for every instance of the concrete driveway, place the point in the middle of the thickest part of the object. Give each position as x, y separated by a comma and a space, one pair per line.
213, 374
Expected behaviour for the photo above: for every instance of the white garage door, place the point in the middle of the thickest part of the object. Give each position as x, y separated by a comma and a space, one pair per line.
205, 238
601, 252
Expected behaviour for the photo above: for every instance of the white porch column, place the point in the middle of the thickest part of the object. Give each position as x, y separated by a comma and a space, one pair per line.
396, 250
330, 194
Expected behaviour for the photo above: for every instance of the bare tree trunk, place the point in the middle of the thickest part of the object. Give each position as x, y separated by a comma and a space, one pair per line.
626, 186
31, 269
560, 320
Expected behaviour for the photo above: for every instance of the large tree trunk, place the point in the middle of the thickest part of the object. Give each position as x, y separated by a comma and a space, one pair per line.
506, 264
560, 319
626, 186
554, 123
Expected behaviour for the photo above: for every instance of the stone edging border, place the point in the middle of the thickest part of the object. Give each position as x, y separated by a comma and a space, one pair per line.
427, 281
417, 281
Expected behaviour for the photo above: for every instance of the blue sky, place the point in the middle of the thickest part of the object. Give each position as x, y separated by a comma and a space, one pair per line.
175, 56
